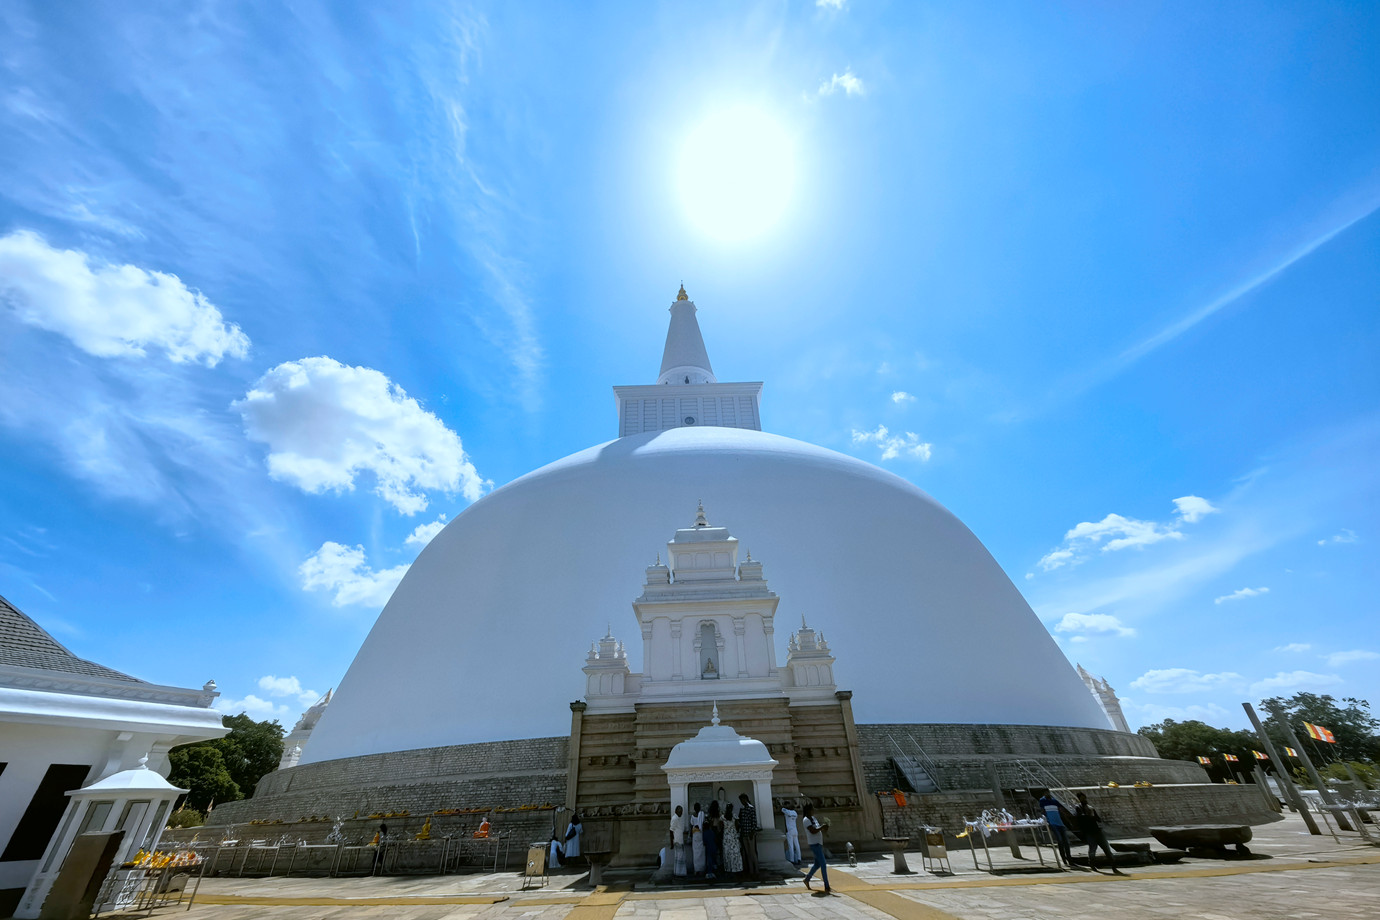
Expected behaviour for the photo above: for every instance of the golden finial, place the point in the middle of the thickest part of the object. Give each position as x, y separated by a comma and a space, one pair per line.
682, 295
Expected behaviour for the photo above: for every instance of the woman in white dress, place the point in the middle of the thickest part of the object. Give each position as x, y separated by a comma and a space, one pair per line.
733, 846
697, 838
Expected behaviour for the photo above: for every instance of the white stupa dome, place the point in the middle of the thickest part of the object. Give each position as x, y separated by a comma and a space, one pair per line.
484, 638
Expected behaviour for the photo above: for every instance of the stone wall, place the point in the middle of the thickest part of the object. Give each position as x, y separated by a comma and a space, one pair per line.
1126, 811
1025, 756
489, 775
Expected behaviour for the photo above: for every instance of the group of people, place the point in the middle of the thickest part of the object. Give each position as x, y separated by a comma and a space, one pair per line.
713, 841
716, 841
567, 847
1086, 822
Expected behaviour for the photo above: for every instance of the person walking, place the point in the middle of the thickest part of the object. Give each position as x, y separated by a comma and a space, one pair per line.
572, 838
733, 847
792, 834
1090, 829
1054, 817
678, 867
747, 835
814, 837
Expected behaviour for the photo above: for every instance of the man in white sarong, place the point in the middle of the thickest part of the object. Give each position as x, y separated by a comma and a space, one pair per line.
792, 834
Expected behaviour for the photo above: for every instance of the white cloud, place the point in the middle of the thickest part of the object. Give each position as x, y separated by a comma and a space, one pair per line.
255, 707
1340, 658
845, 81
1241, 594
1191, 508
326, 422
422, 535
1152, 713
1346, 536
112, 310
894, 446
1285, 681
345, 570
831, 4
1116, 532
288, 686
1185, 680
901, 396
1294, 647
1093, 623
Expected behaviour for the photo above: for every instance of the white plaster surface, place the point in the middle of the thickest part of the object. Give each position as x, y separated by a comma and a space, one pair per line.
480, 640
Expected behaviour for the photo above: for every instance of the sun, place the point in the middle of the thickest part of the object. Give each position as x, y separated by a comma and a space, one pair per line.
737, 168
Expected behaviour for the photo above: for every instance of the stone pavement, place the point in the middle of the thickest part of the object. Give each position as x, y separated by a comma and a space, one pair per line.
1303, 877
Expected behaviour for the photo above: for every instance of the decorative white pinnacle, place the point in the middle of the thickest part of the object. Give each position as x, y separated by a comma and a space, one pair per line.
700, 519
715, 719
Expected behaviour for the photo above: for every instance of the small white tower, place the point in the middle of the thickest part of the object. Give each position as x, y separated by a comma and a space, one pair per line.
1106, 698
686, 392
809, 667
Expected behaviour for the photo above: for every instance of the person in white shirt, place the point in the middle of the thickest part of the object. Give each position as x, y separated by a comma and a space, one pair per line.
678, 843
814, 836
792, 834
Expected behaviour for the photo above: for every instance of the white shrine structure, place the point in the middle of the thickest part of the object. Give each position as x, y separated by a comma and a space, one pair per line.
708, 633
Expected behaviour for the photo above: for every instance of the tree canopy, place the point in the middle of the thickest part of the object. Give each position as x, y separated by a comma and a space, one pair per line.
228, 768
1350, 722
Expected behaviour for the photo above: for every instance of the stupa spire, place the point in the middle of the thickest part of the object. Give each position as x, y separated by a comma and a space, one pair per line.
685, 360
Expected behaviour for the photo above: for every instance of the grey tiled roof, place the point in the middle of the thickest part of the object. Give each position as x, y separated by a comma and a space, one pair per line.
25, 644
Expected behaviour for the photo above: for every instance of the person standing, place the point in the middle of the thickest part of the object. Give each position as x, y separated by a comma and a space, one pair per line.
1090, 829
733, 848
712, 825
792, 834
1054, 817
697, 840
678, 867
814, 837
572, 837
747, 835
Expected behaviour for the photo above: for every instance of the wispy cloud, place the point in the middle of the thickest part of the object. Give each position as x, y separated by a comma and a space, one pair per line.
112, 311
325, 423
1288, 681
424, 533
1351, 213
832, 5
1241, 594
1116, 532
1083, 623
1345, 536
288, 687
1340, 658
895, 445
1185, 680
345, 571
1294, 647
901, 397
846, 81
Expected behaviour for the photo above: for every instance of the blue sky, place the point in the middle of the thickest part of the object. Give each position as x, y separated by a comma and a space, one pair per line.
281, 285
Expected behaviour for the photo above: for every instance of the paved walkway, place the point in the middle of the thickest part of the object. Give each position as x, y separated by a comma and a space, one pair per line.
1303, 877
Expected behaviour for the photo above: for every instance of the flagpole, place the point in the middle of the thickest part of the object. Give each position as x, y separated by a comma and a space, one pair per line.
1286, 781
1283, 722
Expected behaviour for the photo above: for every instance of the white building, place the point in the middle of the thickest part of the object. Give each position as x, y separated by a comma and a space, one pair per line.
66, 723
1106, 698
910, 598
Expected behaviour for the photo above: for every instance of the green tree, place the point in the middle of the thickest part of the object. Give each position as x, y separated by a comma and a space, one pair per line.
1349, 721
200, 769
228, 768
251, 750
1193, 739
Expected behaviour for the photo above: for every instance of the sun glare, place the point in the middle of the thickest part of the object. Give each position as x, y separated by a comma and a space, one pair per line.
736, 172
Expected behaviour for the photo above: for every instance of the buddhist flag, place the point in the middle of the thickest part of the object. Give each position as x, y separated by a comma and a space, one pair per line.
1290, 752
1206, 760
1260, 756
1318, 733
1230, 758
